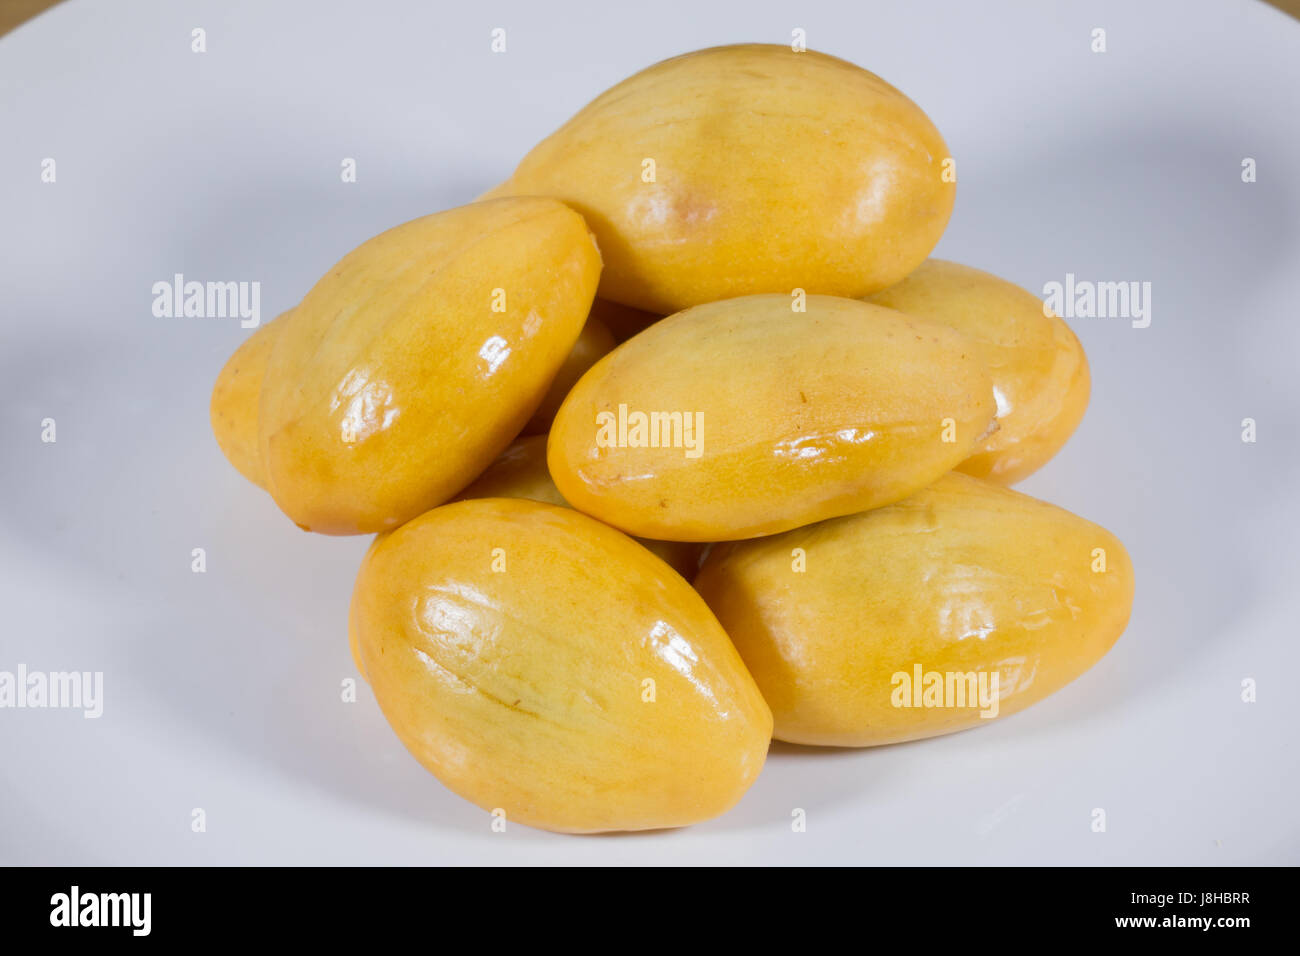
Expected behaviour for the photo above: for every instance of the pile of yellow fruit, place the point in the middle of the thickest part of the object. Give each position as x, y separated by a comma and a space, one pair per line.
818, 434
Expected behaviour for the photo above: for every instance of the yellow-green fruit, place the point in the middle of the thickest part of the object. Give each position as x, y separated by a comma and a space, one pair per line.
746, 169
1040, 374
521, 472
233, 409
418, 357
595, 341
845, 624
541, 663
745, 417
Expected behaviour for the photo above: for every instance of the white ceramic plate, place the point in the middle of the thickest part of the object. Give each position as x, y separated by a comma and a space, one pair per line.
221, 690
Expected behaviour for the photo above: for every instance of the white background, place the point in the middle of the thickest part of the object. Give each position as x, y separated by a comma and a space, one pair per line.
222, 690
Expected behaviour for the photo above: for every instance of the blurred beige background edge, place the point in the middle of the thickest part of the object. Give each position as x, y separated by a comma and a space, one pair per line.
16, 12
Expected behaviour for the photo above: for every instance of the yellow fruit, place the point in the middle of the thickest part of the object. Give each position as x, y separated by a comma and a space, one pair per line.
418, 357
1040, 374
521, 472
746, 169
837, 620
238, 387
541, 663
233, 409
783, 418
595, 341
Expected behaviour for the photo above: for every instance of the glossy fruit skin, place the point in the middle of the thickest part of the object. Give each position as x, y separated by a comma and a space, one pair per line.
774, 170
1040, 373
523, 690
521, 472
965, 576
394, 382
595, 341
235, 396
806, 416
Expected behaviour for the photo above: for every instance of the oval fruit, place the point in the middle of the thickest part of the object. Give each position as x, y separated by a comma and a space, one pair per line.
845, 623
235, 396
765, 419
1040, 374
521, 472
541, 663
595, 341
747, 169
233, 409
418, 357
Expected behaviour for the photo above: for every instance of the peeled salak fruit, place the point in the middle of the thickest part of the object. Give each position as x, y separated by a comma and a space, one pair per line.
747, 169
521, 472
235, 398
595, 341
417, 358
547, 668
237, 392
745, 417
964, 602
1040, 374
